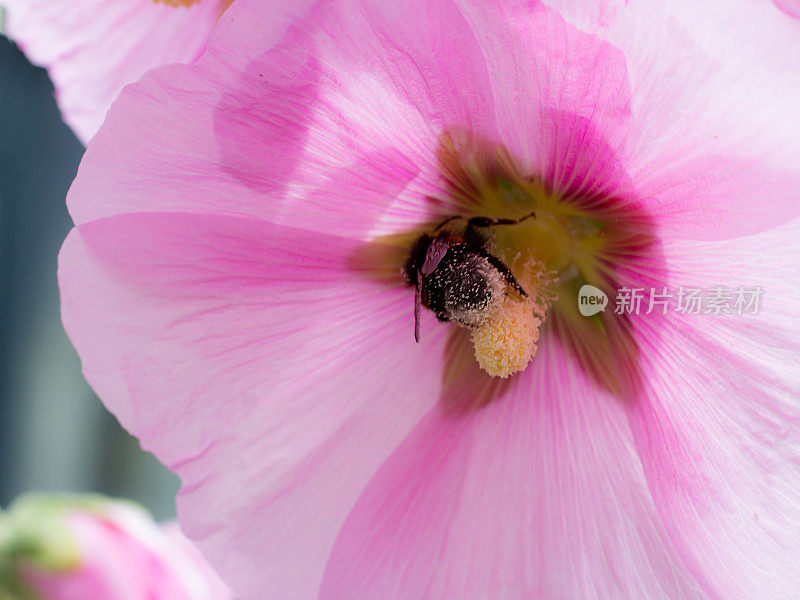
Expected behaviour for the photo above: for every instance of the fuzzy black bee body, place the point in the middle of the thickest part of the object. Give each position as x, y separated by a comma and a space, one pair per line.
456, 276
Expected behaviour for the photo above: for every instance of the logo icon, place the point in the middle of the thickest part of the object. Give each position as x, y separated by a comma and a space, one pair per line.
591, 300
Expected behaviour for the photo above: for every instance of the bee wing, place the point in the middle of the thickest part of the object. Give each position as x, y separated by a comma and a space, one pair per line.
434, 255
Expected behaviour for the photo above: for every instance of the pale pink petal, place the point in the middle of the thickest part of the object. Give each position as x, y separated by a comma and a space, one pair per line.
330, 110
93, 48
258, 363
697, 115
713, 130
540, 494
718, 424
560, 95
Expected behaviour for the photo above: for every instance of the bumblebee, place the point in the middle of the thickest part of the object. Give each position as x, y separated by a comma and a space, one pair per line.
455, 274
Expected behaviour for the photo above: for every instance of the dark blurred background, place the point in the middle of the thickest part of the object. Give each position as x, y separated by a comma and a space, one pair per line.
55, 434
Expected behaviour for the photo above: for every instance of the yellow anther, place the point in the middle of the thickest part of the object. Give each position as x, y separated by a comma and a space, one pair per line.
506, 342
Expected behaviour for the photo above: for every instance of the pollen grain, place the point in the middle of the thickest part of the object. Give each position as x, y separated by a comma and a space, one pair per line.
506, 342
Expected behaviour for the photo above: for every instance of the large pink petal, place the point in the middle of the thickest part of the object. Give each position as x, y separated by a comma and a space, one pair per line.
93, 48
540, 494
347, 106
261, 364
168, 307
697, 113
718, 425
560, 95
713, 132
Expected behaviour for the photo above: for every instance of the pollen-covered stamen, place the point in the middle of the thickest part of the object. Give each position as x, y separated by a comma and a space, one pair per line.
506, 342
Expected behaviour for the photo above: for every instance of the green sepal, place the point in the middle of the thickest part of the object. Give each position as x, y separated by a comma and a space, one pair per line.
34, 532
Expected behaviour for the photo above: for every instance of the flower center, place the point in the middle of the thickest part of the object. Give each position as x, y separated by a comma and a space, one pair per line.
574, 236
506, 342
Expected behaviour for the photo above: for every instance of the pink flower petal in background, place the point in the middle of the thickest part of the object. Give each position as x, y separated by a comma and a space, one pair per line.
93, 48
111, 550
233, 289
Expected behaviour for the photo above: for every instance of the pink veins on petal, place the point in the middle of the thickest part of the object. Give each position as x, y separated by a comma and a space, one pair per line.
233, 286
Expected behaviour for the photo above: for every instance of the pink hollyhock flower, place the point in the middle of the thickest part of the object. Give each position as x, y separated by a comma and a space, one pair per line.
93, 48
234, 287
79, 547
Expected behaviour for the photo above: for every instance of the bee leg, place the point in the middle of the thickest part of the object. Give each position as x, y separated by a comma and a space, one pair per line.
505, 272
476, 223
474, 238
489, 221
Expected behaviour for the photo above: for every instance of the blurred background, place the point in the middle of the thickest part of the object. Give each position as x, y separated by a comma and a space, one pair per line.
55, 435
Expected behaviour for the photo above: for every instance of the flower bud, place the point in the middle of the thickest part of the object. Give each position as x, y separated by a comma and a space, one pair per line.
81, 547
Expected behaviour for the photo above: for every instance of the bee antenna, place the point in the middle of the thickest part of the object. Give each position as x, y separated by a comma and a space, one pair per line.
446, 221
